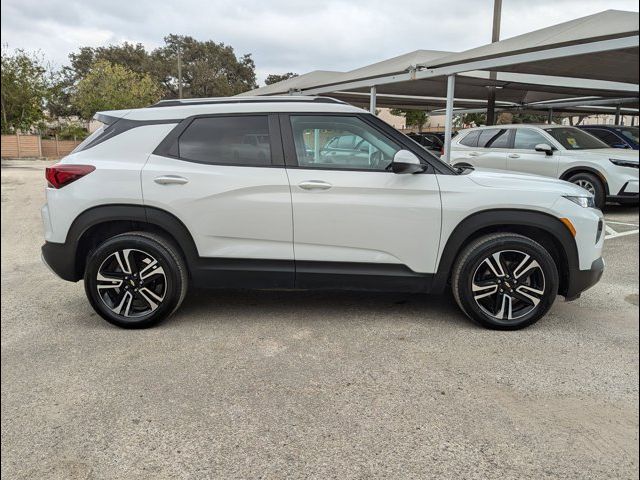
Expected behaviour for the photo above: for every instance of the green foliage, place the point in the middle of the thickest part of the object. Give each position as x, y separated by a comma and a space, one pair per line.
111, 87
71, 131
209, 69
476, 119
24, 91
275, 78
413, 118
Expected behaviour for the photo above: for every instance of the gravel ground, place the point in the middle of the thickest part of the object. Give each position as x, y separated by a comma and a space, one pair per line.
310, 385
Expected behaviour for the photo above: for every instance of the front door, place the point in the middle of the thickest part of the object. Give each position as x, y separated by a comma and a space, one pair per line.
351, 215
524, 158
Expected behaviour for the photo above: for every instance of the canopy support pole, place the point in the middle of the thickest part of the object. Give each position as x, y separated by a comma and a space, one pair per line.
448, 124
618, 109
495, 37
550, 116
372, 100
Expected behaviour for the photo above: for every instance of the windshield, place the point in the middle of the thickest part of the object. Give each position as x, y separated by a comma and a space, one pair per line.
574, 139
631, 133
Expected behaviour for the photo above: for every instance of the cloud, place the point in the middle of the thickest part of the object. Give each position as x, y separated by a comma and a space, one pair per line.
283, 35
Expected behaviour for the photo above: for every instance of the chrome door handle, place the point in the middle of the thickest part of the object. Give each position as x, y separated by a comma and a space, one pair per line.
474, 154
514, 155
171, 180
314, 185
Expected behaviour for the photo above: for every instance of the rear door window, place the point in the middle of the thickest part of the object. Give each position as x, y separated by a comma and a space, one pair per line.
471, 139
494, 138
236, 140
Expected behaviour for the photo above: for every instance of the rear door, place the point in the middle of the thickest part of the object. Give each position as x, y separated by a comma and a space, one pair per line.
232, 194
522, 157
350, 213
486, 148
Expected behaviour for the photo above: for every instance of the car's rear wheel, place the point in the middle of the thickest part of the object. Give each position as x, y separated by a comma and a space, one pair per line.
135, 280
505, 281
592, 184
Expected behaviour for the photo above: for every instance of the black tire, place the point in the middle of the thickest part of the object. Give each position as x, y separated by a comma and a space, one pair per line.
522, 275
150, 271
593, 184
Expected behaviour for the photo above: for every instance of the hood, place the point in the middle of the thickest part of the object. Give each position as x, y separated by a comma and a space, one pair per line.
604, 153
521, 181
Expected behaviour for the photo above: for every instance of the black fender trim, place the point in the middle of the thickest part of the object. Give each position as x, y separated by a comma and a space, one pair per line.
572, 171
62, 257
493, 219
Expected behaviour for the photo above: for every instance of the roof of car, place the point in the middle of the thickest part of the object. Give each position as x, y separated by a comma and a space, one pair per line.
613, 127
179, 109
516, 125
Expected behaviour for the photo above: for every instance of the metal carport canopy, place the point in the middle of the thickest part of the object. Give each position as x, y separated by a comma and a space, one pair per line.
600, 47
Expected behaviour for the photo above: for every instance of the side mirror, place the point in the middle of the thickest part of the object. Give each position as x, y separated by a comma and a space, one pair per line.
406, 162
546, 148
620, 145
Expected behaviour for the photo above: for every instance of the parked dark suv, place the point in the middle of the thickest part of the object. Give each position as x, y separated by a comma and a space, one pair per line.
616, 136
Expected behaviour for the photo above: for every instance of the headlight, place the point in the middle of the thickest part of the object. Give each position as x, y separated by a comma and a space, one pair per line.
584, 202
623, 163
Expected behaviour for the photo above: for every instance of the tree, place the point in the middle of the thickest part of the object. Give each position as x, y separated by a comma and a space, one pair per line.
209, 69
275, 78
112, 87
132, 56
413, 118
24, 91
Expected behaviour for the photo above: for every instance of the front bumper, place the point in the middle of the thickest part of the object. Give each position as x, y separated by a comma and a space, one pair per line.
628, 192
581, 280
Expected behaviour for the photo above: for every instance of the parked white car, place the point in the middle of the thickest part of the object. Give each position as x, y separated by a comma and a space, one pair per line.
153, 203
567, 153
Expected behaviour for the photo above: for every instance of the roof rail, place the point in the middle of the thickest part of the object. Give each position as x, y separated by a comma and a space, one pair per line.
228, 100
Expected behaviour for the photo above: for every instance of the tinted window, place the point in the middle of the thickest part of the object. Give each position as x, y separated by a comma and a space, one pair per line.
359, 146
573, 138
494, 138
631, 133
240, 140
527, 139
607, 137
471, 139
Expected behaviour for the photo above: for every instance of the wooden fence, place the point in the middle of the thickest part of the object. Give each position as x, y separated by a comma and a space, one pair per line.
33, 146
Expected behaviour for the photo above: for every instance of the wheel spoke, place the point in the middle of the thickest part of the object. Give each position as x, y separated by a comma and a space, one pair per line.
495, 264
149, 297
124, 306
151, 269
484, 289
532, 294
109, 280
506, 308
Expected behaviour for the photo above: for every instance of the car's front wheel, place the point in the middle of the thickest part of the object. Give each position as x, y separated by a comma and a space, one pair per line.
135, 280
505, 281
592, 184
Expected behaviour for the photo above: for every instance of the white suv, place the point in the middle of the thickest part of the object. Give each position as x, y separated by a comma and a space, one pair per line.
162, 198
567, 153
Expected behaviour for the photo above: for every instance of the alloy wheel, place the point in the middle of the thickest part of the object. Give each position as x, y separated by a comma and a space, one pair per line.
587, 185
508, 285
131, 283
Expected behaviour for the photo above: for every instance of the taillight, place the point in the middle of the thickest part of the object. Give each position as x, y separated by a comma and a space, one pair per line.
61, 174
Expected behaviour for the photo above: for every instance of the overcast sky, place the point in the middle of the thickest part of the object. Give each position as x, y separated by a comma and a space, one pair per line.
283, 35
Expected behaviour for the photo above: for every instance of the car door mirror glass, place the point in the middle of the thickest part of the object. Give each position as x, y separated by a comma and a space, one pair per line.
405, 161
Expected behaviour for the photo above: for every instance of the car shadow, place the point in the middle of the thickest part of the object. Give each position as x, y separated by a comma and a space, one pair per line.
223, 306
